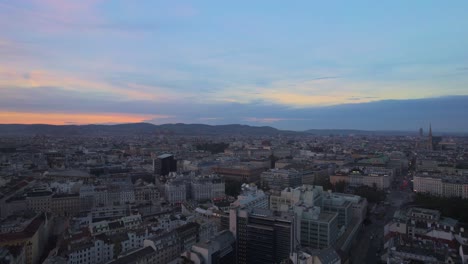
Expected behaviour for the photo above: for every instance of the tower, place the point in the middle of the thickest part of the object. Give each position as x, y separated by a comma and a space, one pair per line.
429, 139
421, 132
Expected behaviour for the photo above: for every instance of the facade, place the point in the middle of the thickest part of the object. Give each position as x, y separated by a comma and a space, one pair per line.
263, 236
332, 203
441, 185
104, 248
164, 164
166, 246
251, 197
39, 201
175, 191
146, 255
207, 188
66, 205
318, 229
427, 184
420, 234
33, 235
219, 249
188, 235
307, 194
12, 254
240, 173
277, 179
147, 193
378, 178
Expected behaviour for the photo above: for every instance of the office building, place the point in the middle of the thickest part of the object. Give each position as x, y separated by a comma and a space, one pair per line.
318, 229
263, 236
164, 164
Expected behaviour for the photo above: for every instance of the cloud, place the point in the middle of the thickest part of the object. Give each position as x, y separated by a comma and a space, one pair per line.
72, 118
92, 87
210, 118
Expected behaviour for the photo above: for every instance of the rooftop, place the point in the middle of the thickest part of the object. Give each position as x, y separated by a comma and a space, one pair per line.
134, 256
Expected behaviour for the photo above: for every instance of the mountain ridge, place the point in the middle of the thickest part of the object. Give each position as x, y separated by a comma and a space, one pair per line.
182, 129
140, 129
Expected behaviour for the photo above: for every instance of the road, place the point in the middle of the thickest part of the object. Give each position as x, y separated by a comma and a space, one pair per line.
370, 239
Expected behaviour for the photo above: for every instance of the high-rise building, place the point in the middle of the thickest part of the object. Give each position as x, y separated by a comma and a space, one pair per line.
339, 205
263, 236
319, 229
164, 164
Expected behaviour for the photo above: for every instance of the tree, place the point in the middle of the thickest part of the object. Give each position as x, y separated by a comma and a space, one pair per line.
233, 188
340, 186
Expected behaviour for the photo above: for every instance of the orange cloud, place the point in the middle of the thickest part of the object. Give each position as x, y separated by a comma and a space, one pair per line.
44, 78
71, 118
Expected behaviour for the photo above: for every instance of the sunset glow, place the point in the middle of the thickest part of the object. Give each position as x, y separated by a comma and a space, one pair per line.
72, 119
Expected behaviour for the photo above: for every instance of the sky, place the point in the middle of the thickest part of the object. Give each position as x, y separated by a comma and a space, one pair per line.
374, 65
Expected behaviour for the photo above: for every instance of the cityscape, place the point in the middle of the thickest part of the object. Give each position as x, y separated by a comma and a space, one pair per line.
233, 132
233, 197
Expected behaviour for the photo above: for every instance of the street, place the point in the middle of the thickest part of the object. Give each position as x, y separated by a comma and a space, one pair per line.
369, 242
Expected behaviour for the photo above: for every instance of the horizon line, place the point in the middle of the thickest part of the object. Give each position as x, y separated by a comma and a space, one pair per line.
416, 131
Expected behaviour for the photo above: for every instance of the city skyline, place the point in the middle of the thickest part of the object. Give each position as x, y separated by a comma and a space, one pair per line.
360, 65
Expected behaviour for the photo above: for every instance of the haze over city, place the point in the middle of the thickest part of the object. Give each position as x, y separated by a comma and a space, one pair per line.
398, 65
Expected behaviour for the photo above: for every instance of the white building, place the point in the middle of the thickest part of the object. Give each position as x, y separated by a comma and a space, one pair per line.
175, 191
308, 194
207, 187
251, 197
441, 185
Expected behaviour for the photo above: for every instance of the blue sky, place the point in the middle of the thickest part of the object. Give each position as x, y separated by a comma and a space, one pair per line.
218, 62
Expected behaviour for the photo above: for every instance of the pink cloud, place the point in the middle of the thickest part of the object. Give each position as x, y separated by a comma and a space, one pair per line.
49, 16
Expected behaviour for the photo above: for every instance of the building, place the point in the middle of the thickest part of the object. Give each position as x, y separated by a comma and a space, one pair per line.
324, 256
147, 193
307, 194
65, 204
164, 164
381, 179
251, 197
175, 191
318, 229
336, 203
277, 179
263, 236
39, 200
219, 249
12, 255
167, 247
188, 235
32, 233
420, 234
240, 173
146, 255
207, 188
441, 185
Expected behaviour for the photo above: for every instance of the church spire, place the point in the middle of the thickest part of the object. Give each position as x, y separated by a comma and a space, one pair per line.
430, 143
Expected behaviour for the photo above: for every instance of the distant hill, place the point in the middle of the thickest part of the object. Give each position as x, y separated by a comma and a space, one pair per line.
139, 129
324, 132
